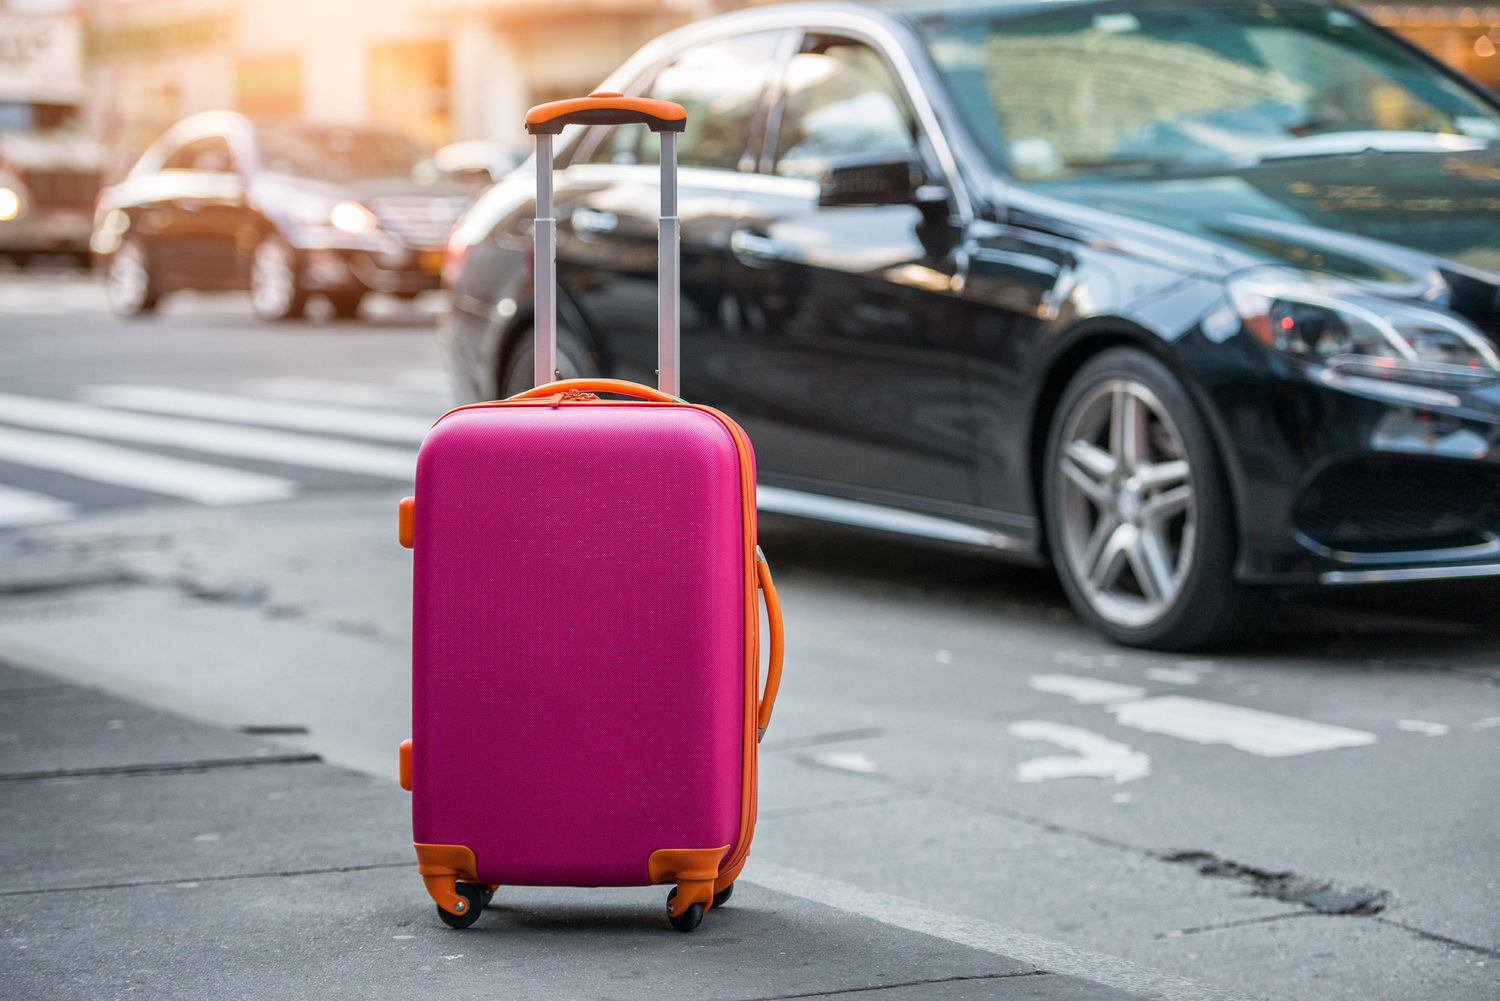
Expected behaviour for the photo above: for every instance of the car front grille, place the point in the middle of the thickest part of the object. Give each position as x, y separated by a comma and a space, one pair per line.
421, 222
63, 188
1391, 504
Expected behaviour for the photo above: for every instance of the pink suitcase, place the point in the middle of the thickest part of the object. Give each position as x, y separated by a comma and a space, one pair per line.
585, 653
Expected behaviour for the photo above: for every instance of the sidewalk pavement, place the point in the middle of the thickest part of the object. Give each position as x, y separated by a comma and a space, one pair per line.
146, 855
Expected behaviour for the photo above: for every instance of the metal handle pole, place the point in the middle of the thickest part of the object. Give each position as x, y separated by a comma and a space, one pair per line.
544, 267
668, 247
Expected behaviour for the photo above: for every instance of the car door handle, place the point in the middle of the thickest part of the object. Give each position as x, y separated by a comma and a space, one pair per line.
754, 250
593, 221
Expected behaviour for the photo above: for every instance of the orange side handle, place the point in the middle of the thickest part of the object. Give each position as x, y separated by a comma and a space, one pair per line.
606, 108
773, 670
406, 521
619, 386
403, 764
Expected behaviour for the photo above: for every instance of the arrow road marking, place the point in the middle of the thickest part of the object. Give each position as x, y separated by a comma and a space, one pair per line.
1097, 757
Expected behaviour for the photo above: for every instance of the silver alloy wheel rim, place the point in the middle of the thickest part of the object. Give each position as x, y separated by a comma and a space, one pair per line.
128, 280
1127, 508
272, 283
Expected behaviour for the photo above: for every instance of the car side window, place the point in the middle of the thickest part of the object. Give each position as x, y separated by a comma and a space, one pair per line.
720, 85
207, 153
840, 99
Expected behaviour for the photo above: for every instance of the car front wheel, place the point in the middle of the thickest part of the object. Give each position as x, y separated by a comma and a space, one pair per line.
129, 286
1138, 511
275, 287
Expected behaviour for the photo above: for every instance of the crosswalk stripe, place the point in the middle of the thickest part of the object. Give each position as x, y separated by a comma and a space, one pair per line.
22, 507
125, 467
350, 394
244, 409
203, 436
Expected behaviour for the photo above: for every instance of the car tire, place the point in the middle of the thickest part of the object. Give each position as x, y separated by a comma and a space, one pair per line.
1138, 513
517, 374
129, 287
276, 291
345, 304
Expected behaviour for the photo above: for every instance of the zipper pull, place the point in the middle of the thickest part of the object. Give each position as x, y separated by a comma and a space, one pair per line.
570, 396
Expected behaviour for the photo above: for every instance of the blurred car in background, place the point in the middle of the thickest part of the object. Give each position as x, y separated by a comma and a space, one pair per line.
50, 167
474, 162
1198, 300
284, 209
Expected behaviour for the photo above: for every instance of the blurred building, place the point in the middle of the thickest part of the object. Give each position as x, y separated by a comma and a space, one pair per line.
438, 69
452, 69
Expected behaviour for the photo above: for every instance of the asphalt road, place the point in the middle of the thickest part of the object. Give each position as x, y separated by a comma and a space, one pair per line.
1313, 818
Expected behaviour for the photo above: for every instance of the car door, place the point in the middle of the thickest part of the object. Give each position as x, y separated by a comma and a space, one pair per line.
851, 377
608, 200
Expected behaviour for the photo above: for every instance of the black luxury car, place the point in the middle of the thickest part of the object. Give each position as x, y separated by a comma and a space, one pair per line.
281, 208
1199, 300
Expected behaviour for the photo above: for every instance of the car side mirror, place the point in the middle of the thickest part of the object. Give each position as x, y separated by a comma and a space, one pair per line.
887, 180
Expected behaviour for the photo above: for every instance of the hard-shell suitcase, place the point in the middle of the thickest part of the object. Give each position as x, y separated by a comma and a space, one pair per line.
585, 654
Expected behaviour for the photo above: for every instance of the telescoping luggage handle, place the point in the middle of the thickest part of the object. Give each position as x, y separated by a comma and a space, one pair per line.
607, 108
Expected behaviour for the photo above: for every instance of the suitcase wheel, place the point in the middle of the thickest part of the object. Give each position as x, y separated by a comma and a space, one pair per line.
722, 897
689, 919
475, 896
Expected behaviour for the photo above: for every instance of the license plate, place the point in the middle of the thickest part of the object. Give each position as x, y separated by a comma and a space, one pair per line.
431, 261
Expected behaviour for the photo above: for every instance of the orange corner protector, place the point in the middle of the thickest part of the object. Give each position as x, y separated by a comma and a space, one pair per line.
403, 766
694, 870
441, 866
407, 521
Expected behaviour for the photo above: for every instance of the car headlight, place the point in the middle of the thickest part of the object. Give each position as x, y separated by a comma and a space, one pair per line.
352, 217
1342, 326
10, 204
346, 217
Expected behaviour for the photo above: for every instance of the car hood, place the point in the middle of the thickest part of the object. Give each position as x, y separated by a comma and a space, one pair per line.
1388, 219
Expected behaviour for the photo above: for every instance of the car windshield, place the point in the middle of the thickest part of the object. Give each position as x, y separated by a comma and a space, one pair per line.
28, 116
1071, 91
339, 154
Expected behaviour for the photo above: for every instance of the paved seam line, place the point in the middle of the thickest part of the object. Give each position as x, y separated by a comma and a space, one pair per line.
840, 992
1483, 950
842, 804
1221, 926
331, 870
1042, 953
169, 768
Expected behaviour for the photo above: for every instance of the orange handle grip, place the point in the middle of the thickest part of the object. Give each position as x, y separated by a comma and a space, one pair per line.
619, 386
606, 108
773, 670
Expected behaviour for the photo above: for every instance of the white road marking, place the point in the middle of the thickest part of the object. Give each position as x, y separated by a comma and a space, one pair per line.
845, 761
22, 507
976, 933
1251, 730
1174, 675
1096, 757
1422, 726
202, 436
1088, 691
350, 394
158, 474
382, 426
1488, 723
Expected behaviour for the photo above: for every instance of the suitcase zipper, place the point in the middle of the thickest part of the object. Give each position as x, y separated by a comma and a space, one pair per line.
570, 396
